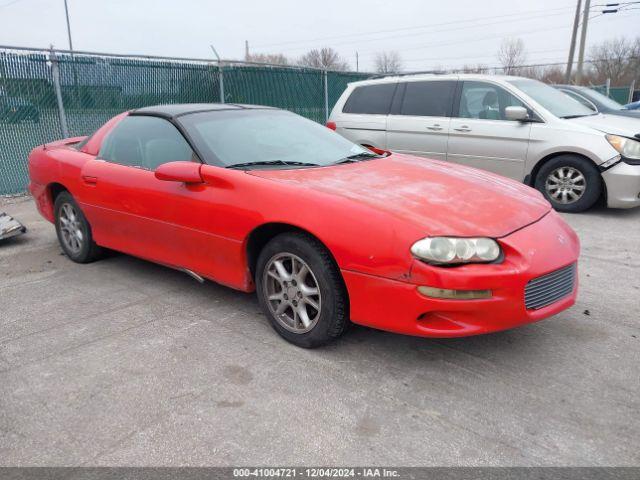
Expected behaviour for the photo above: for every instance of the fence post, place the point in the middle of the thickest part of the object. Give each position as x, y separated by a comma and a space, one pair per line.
608, 86
632, 88
55, 74
221, 82
326, 95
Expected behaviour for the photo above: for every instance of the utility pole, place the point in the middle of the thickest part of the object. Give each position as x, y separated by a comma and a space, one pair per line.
572, 47
66, 11
583, 40
357, 70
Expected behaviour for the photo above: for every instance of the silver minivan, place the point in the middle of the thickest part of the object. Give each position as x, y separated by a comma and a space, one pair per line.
516, 127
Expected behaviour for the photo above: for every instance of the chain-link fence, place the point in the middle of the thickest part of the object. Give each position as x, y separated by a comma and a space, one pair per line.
46, 95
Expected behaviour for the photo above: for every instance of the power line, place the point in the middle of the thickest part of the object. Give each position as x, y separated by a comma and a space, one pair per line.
433, 32
361, 34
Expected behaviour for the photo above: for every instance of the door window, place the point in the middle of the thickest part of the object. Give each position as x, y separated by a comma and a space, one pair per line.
145, 142
485, 101
371, 99
428, 99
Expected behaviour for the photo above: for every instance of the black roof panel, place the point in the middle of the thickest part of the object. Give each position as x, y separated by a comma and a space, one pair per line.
175, 110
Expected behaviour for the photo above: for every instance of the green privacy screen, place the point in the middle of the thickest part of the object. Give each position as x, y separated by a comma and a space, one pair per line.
39, 91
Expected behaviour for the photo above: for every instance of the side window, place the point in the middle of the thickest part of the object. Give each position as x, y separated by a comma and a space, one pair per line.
485, 101
428, 99
146, 142
371, 99
580, 99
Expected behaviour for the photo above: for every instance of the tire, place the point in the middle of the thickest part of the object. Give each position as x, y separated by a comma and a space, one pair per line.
329, 317
76, 239
570, 183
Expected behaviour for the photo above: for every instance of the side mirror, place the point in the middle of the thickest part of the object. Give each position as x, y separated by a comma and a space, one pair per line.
185, 172
517, 114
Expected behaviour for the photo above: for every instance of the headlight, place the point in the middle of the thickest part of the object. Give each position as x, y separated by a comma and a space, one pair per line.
625, 146
449, 250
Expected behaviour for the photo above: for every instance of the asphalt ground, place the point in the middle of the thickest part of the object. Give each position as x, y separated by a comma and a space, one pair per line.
123, 362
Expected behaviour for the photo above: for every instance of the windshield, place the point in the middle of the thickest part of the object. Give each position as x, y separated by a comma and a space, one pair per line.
555, 101
603, 99
271, 138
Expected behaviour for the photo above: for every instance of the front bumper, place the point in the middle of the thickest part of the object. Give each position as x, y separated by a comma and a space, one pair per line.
623, 185
531, 252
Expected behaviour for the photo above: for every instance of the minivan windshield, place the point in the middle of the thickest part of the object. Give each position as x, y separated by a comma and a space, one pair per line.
265, 138
555, 101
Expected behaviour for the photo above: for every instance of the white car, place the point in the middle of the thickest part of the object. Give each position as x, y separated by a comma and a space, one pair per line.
517, 127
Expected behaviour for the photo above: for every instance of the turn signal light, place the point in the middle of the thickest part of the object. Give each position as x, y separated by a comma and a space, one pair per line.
331, 125
454, 294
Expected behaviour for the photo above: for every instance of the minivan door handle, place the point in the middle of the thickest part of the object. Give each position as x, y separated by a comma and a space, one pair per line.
436, 127
463, 128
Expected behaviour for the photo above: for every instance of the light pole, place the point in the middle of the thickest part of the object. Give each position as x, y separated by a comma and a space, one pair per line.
66, 11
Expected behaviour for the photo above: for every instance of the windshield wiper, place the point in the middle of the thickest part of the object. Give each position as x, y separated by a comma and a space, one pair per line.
273, 162
581, 115
358, 157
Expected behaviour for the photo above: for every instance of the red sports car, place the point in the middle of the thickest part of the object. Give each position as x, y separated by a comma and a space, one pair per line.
324, 230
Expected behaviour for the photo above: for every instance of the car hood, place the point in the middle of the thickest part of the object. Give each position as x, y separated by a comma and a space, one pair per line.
614, 124
438, 197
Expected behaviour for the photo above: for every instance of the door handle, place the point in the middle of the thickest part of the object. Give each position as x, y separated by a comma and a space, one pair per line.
436, 127
463, 128
89, 180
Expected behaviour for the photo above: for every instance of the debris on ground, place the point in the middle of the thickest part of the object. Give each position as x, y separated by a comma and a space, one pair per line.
10, 227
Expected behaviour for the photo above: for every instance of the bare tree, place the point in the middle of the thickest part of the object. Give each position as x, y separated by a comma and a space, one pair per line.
512, 55
616, 59
325, 58
272, 58
388, 62
479, 68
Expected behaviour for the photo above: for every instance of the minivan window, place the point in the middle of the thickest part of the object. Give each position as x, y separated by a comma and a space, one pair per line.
371, 99
485, 101
555, 101
580, 99
428, 99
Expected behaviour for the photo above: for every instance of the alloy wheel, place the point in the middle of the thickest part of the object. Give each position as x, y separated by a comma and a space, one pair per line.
71, 228
566, 185
292, 292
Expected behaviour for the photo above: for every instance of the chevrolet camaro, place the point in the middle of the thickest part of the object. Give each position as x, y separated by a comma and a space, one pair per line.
325, 231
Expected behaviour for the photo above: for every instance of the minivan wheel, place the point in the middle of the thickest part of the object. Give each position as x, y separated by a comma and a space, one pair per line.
301, 290
570, 183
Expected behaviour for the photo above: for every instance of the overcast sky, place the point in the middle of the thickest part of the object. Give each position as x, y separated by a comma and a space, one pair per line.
427, 34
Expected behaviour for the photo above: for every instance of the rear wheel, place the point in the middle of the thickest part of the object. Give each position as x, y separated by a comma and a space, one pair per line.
301, 290
570, 183
74, 231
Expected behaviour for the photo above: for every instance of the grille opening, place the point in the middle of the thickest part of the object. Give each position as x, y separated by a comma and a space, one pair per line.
547, 289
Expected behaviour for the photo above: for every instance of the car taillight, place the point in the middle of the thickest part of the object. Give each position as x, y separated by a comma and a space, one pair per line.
331, 125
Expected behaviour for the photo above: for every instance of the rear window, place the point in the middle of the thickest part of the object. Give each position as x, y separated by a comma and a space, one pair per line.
428, 99
372, 99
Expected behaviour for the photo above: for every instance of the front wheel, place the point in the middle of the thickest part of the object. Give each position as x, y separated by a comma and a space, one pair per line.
570, 183
301, 290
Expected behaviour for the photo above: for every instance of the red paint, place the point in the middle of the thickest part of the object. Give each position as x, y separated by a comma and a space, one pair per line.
368, 215
331, 125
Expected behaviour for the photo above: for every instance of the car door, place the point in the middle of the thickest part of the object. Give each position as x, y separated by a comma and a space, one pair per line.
419, 121
130, 210
480, 134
